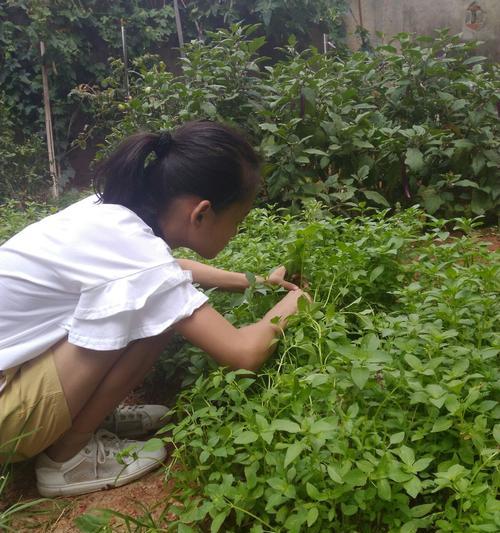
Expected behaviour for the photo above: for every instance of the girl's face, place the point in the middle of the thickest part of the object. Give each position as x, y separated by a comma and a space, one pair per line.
218, 228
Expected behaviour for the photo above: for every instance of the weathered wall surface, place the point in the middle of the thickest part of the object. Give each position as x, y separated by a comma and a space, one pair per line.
473, 19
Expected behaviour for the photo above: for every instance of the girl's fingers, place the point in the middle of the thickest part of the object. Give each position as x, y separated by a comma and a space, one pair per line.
289, 286
277, 277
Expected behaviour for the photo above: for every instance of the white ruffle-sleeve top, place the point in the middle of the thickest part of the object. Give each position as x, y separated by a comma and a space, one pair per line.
94, 272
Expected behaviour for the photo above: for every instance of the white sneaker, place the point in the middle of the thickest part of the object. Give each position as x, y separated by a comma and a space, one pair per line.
135, 420
95, 467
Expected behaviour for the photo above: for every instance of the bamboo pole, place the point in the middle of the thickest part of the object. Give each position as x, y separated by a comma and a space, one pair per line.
360, 10
125, 59
53, 168
179, 27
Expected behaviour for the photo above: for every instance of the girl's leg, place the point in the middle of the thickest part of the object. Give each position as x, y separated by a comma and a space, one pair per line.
94, 383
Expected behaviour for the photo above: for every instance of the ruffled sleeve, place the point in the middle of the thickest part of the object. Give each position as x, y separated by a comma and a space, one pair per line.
143, 304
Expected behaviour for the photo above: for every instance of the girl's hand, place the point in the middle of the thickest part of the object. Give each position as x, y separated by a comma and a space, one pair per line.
286, 306
277, 277
247, 347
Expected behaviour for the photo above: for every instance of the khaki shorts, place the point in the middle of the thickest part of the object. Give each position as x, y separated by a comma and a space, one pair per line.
33, 409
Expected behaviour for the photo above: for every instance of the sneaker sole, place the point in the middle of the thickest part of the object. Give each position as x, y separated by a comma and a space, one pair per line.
85, 487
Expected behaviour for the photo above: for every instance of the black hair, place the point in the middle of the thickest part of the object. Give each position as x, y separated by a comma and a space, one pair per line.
201, 158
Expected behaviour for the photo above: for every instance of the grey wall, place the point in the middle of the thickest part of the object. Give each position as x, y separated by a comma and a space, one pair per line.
473, 19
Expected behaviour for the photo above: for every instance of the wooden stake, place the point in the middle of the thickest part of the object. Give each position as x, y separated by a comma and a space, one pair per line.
179, 27
360, 10
125, 60
53, 168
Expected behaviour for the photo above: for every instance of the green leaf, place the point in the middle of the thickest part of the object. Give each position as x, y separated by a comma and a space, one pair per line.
277, 484
441, 424
396, 438
92, 522
314, 151
209, 109
376, 197
285, 425
184, 528
360, 376
413, 487
268, 127
334, 474
246, 437
421, 464
432, 203
466, 183
409, 527
478, 163
496, 432
407, 455
321, 426
204, 455
153, 445
359, 143
312, 516
474, 59
294, 521
375, 273
293, 451
384, 490
464, 144
414, 362
313, 492
355, 477
348, 510
414, 159
398, 475
451, 403
421, 510
219, 520
251, 474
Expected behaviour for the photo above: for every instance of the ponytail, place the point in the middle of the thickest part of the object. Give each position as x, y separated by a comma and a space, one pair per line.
120, 177
201, 158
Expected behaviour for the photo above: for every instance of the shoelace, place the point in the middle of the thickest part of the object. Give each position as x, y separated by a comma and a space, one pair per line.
106, 444
132, 411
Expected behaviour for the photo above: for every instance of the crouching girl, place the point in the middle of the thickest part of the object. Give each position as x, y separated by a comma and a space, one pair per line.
90, 296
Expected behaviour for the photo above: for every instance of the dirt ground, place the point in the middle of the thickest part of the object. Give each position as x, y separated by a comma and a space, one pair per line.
149, 492
490, 236
57, 515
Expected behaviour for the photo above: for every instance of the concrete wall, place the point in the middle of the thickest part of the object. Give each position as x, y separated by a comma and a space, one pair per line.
473, 19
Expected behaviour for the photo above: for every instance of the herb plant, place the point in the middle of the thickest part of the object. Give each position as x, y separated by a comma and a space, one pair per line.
379, 411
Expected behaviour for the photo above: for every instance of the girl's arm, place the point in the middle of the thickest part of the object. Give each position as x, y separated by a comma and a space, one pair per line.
247, 347
209, 277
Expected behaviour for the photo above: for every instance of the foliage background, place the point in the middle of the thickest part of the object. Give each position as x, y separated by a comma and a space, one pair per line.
81, 35
414, 121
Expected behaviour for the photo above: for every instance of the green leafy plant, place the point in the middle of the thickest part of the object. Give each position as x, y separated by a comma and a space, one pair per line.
379, 410
387, 129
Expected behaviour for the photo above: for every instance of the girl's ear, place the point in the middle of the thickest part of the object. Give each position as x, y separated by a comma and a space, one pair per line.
199, 211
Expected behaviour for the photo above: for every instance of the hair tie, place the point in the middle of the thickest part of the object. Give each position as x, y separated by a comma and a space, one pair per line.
163, 144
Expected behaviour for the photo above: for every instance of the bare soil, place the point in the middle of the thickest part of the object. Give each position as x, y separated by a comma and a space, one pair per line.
149, 494
491, 237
